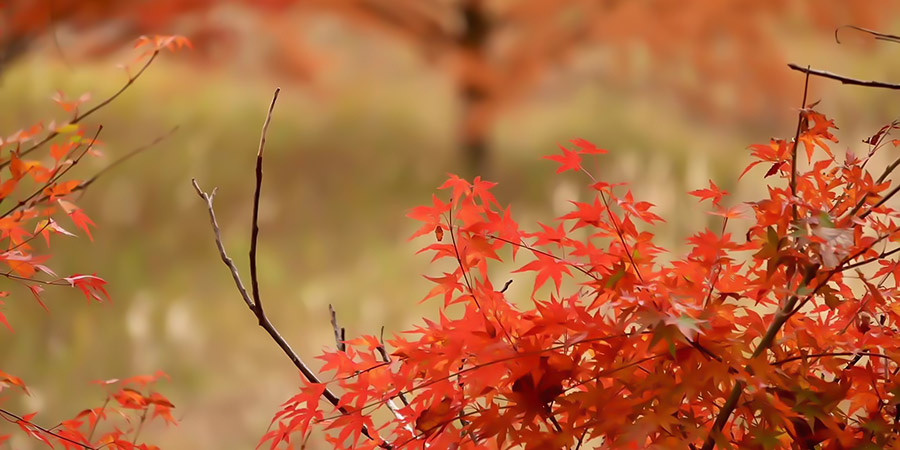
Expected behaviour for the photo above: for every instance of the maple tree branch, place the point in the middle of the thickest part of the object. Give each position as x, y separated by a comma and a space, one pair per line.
845, 80
339, 332
80, 117
94, 425
254, 302
886, 197
19, 419
264, 322
32, 237
387, 360
84, 184
781, 316
539, 251
615, 225
56, 177
876, 34
340, 338
856, 355
871, 260
800, 120
887, 171
208, 198
140, 426
254, 233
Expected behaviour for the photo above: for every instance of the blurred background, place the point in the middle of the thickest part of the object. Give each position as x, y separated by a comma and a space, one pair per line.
381, 99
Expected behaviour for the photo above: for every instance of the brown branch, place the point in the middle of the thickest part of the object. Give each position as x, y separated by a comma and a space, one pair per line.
877, 35
253, 303
887, 171
44, 430
845, 80
800, 120
872, 259
79, 118
884, 199
387, 360
781, 316
856, 356
56, 177
339, 332
254, 233
85, 184
264, 321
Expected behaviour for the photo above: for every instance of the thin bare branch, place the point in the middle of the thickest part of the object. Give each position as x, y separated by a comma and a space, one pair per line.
800, 120
781, 316
254, 233
208, 198
877, 35
845, 80
856, 356
56, 177
339, 332
84, 185
19, 419
253, 302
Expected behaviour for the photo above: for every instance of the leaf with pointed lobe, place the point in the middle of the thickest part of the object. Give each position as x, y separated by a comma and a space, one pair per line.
569, 160
546, 268
713, 193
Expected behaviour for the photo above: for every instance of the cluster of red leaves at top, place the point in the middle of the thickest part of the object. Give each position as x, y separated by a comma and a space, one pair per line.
619, 350
34, 192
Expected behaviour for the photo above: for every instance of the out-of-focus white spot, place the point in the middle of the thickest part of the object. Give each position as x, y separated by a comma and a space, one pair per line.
137, 320
180, 324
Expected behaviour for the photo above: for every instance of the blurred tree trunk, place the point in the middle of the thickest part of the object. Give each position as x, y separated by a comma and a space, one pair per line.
472, 89
10, 50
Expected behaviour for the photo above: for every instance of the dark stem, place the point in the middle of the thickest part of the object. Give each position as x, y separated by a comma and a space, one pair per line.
845, 80
254, 233
800, 120
44, 430
781, 316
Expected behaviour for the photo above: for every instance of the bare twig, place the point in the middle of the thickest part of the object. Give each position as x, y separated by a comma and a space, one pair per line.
264, 322
845, 80
800, 120
339, 332
880, 256
254, 303
856, 355
84, 184
254, 233
877, 35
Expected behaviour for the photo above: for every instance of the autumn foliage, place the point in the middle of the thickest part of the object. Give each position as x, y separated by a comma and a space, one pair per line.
494, 53
38, 198
776, 330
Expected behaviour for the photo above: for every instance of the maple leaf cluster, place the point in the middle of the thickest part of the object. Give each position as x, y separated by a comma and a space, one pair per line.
128, 402
778, 329
37, 199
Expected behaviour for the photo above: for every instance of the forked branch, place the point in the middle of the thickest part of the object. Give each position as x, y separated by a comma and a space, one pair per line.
254, 302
